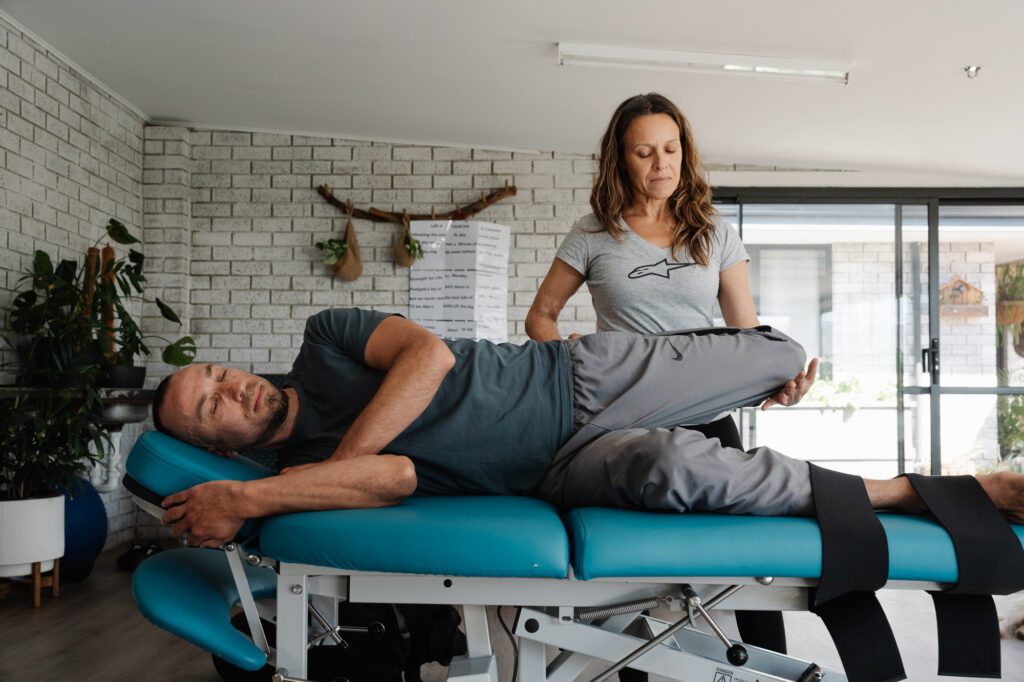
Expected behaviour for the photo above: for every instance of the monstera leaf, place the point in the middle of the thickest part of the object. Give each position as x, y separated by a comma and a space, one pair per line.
180, 353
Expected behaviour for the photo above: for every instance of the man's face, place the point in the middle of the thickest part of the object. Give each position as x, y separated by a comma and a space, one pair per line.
223, 408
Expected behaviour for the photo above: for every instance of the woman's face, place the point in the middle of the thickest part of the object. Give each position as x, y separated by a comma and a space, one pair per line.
654, 156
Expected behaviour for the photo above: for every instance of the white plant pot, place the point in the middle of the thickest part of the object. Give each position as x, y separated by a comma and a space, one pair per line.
30, 531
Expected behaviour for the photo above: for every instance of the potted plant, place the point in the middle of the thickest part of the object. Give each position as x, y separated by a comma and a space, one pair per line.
51, 418
1010, 295
71, 313
49, 421
407, 248
44, 442
109, 287
52, 424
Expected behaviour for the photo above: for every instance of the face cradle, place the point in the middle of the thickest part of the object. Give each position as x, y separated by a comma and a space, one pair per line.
653, 153
223, 408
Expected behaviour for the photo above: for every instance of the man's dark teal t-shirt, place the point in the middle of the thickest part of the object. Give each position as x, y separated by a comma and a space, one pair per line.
493, 427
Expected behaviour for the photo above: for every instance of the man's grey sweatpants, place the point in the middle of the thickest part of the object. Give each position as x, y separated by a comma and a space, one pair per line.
631, 396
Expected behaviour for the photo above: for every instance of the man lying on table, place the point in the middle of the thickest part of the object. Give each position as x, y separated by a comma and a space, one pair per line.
377, 408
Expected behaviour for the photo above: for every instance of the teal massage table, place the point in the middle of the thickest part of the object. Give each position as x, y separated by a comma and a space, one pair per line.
580, 581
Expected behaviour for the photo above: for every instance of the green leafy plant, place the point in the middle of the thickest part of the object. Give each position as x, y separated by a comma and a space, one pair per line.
45, 437
413, 246
1010, 425
1010, 303
1010, 282
45, 433
64, 321
333, 250
59, 344
1010, 417
118, 282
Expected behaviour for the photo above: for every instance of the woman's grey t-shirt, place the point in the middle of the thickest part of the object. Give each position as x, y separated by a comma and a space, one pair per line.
638, 287
492, 427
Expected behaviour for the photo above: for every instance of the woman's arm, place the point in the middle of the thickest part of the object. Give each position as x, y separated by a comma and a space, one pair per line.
735, 297
561, 282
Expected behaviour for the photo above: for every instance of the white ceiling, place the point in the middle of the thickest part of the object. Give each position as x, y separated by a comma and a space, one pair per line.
483, 73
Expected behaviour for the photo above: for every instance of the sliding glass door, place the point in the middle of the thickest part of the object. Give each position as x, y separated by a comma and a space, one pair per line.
980, 374
914, 305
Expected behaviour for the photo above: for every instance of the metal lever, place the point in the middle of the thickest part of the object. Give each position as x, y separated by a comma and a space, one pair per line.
679, 625
331, 632
734, 653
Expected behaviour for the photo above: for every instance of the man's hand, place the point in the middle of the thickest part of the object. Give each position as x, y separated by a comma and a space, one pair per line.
208, 512
794, 390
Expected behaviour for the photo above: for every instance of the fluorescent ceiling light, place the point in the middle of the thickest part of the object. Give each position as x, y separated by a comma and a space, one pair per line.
575, 54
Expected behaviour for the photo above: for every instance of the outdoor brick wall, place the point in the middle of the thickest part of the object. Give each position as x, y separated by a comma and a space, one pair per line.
70, 159
865, 341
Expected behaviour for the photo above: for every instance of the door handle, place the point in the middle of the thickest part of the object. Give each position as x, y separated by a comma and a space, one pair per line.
930, 360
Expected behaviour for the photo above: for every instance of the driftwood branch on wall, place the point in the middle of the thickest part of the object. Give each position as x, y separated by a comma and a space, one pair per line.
379, 216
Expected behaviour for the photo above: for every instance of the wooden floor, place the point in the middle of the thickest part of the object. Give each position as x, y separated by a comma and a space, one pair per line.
94, 632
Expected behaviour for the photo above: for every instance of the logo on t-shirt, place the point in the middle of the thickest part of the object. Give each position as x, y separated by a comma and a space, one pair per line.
660, 269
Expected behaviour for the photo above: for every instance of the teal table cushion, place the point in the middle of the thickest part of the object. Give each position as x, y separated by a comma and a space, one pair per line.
167, 465
616, 543
190, 592
467, 536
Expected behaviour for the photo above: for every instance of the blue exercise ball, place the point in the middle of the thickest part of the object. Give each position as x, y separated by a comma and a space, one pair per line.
85, 530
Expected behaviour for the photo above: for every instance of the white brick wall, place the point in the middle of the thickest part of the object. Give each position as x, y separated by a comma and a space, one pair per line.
255, 274
70, 159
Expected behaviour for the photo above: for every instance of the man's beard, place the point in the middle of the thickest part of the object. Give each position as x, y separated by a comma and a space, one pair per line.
277, 401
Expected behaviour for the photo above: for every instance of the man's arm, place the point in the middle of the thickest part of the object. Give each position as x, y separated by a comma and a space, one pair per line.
416, 363
211, 513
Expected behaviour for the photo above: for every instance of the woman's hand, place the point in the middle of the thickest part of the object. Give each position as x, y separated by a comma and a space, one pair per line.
794, 390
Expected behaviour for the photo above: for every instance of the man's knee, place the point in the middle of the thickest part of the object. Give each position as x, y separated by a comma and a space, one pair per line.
787, 354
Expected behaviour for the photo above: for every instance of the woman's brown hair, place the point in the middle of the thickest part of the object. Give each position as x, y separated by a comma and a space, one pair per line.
690, 203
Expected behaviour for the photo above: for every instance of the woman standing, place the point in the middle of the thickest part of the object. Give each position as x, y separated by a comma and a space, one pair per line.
656, 257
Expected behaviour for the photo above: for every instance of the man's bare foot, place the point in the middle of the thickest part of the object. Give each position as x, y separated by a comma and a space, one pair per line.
1006, 489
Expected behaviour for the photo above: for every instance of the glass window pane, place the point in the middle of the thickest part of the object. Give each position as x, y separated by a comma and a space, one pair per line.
859, 439
975, 428
981, 295
826, 275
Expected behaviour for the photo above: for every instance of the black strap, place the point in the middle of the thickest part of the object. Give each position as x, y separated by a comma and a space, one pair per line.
988, 553
854, 549
854, 563
968, 634
862, 635
989, 561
